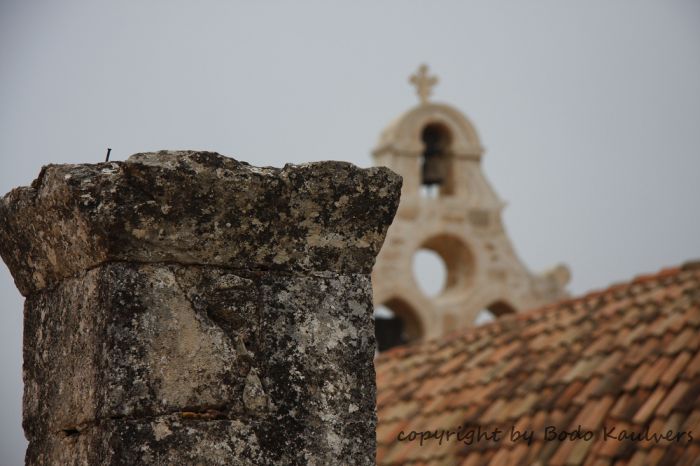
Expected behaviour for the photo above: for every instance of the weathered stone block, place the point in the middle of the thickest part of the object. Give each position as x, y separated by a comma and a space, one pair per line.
124, 340
185, 308
132, 341
195, 208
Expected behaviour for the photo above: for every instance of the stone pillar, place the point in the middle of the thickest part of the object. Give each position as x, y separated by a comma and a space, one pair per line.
183, 308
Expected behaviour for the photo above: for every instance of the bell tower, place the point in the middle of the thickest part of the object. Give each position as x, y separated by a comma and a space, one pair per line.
447, 207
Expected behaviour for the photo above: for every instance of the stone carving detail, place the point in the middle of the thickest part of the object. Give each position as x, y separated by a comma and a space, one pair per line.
186, 308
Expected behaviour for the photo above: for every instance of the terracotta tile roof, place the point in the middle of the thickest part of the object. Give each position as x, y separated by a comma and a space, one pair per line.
626, 357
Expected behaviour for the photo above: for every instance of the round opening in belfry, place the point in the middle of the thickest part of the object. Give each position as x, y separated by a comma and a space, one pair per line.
429, 271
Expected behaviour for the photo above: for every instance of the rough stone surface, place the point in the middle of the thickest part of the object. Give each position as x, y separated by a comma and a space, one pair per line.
177, 440
163, 440
127, 341
195, 208
153, 335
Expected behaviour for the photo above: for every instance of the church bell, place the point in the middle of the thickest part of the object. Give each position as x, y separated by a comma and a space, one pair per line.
434, 168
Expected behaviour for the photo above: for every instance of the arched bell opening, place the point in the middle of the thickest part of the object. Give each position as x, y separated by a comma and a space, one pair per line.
436, 164
396, 323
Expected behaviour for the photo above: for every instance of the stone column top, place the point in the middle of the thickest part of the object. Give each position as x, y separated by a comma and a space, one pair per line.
193, 207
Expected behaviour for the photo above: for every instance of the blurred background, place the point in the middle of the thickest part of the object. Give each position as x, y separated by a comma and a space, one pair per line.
589, 111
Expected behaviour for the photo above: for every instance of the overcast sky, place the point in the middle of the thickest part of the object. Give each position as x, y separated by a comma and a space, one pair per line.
589, 111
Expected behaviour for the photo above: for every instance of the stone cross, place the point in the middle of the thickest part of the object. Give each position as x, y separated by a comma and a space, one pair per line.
423, 82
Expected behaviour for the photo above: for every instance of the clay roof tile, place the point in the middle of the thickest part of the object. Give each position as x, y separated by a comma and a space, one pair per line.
626, 357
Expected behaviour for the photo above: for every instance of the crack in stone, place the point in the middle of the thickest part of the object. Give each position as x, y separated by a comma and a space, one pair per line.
191, 413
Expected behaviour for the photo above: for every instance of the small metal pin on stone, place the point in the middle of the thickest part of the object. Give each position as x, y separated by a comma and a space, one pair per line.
108, 151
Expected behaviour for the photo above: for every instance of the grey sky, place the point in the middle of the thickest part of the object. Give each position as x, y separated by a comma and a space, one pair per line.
589, 111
